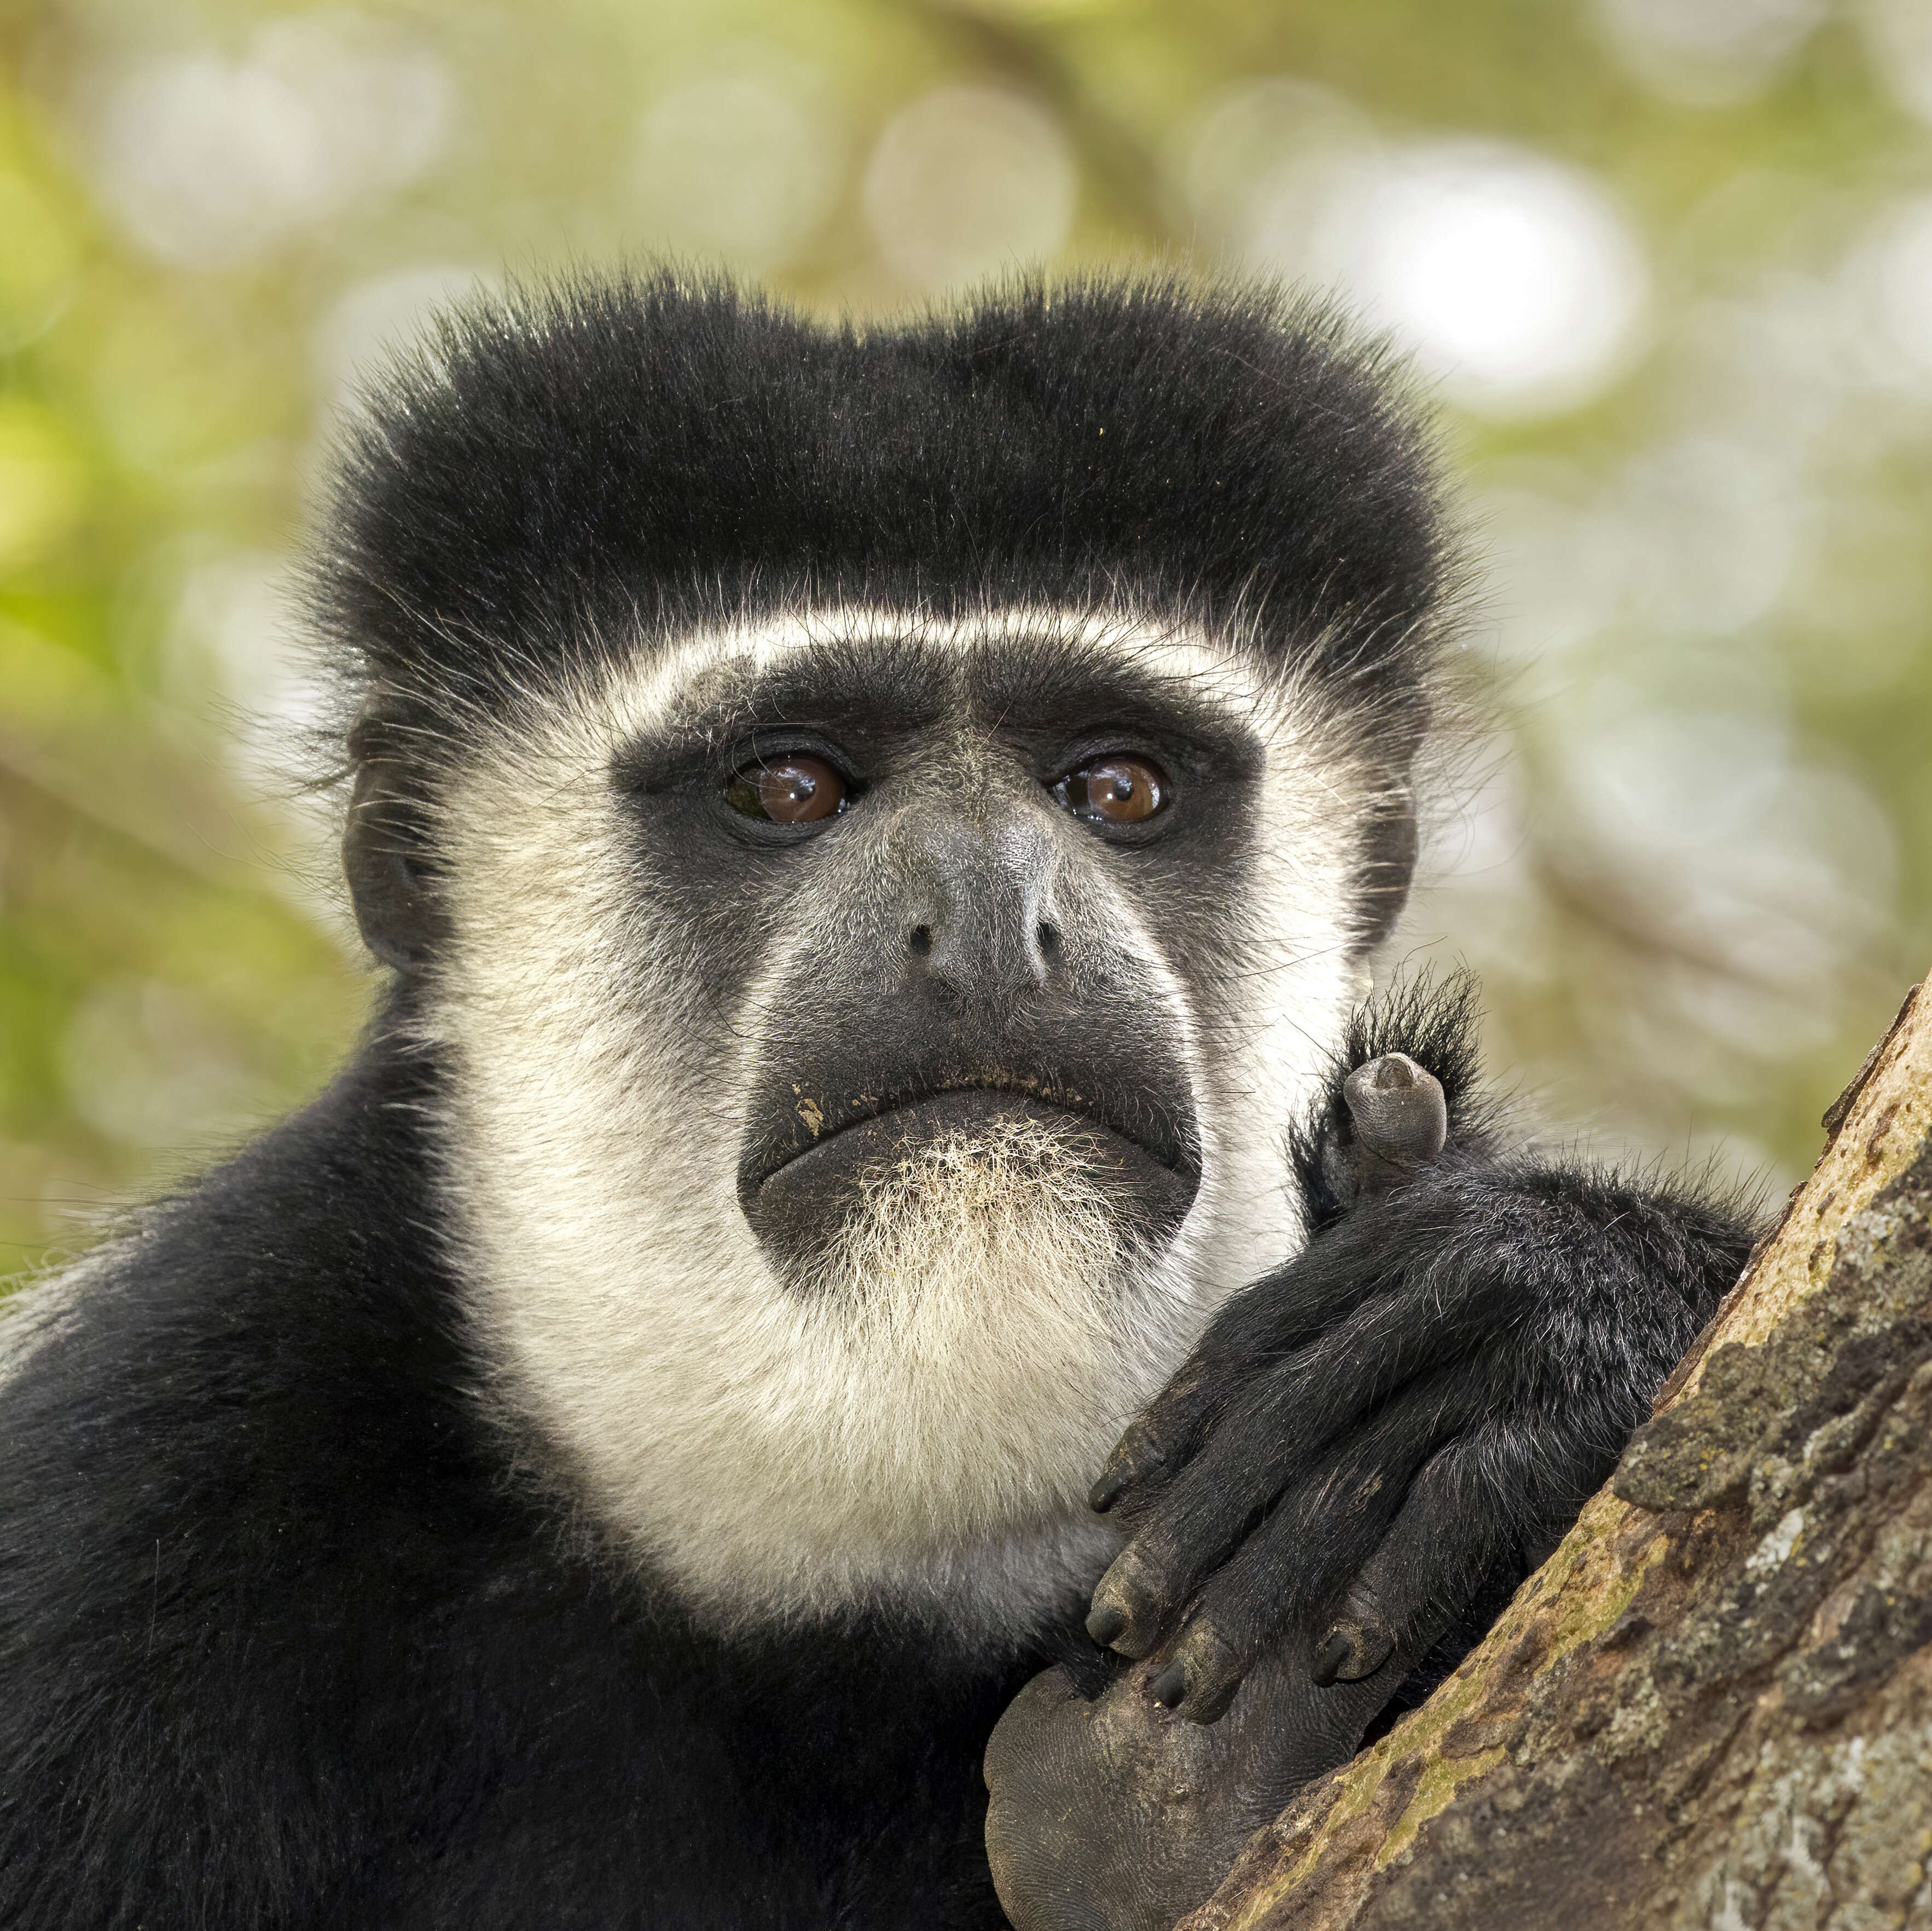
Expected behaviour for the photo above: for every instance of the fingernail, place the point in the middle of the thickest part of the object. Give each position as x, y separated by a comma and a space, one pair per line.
1105, 1623
1395, 1069
1107, 1491
1335, 1651
1170, 1686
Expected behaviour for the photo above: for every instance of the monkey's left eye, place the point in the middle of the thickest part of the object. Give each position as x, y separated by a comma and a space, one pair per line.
1116, 790
790, 788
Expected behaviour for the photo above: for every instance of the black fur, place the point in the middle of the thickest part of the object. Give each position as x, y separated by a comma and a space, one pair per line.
1434, 1021
573, 471
1413, 1409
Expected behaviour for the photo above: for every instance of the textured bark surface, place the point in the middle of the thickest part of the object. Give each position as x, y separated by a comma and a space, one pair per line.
1713, 1706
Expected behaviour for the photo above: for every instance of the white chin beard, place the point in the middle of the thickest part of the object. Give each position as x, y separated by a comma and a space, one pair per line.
937, 1226
979, 1298
966, 1348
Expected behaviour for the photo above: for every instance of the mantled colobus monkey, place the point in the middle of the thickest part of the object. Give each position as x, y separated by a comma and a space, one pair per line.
870, 1178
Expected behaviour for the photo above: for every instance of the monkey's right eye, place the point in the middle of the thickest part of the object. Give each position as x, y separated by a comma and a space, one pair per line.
791, 788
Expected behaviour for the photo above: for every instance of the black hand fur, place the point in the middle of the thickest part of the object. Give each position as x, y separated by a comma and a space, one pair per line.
1425, 1396
1434, 1022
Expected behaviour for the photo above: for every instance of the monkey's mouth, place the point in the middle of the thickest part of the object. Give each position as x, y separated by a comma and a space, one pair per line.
797, 1183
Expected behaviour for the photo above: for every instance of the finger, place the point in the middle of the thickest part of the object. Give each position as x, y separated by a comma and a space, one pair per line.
1278, 1427
1158, 1445
1141, 1593
1252, 1371
1357, 1643
1302, 1355
1182, 1526
1155, 1446
1252, 1340
1321, 1536
1246, 1340
1466, 1510
1200, 1515
1400, 1116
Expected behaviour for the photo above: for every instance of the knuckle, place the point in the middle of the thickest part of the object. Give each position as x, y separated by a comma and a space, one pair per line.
1211, 1653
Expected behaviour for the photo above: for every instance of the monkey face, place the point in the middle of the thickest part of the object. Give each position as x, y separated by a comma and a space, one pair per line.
870, 1042
966, 1026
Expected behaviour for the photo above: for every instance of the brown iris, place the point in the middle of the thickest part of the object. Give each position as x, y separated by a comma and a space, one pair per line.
790, 788
1115, 791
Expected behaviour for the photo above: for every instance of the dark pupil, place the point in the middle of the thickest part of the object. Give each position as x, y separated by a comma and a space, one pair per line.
788, 792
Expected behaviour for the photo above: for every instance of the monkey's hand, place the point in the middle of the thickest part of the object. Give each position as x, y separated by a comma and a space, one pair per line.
1433, 1387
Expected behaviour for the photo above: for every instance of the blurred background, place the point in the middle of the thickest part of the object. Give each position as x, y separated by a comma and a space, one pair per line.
1665, 265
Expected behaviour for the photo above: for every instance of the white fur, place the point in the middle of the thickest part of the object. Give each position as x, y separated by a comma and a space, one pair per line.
774, 1452
33, 1311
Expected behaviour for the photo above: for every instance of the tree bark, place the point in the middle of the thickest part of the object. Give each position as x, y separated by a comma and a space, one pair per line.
1713, 1706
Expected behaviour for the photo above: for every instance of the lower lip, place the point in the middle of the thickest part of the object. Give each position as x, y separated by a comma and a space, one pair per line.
809, 1186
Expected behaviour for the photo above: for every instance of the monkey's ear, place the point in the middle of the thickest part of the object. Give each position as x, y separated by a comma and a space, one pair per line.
384, 847
1388, 868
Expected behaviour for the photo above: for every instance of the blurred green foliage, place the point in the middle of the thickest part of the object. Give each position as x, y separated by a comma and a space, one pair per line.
179, 323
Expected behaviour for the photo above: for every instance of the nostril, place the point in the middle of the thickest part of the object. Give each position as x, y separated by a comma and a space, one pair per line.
1049, 938
919, 941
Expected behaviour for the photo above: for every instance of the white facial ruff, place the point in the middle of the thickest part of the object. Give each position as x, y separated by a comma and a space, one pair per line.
772, 1453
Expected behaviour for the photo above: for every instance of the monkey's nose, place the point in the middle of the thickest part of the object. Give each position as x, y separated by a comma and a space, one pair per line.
981, 924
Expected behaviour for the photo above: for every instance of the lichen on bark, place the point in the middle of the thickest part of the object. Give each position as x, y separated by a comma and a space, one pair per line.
1713, 1706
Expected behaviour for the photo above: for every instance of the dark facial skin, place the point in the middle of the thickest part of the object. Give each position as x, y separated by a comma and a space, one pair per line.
959, 837
987, 1024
